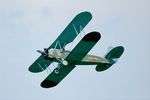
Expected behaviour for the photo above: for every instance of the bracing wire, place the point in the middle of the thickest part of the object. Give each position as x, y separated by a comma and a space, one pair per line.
59, 44
82, 30
47, 70
75, 29
40, 66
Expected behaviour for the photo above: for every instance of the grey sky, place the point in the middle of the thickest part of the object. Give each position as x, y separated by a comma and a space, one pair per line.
28, 25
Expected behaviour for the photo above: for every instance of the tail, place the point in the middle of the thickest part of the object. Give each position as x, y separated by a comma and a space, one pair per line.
112, 57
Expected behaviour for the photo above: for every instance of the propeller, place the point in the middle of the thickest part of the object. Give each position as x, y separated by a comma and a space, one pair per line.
42, 52
48, 55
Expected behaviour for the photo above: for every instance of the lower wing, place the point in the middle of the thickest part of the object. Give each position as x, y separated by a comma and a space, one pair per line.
76, 55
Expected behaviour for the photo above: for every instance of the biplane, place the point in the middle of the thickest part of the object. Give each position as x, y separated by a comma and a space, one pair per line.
67, 60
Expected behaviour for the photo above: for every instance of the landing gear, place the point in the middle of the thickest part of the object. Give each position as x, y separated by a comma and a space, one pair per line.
64, 62
56, 70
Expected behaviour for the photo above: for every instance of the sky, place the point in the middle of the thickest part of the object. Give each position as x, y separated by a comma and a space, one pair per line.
30, 25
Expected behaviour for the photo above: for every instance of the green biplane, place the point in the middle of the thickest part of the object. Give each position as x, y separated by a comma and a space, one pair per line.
67, 60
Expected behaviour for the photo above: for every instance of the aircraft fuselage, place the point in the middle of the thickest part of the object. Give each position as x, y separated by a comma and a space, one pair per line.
87, 60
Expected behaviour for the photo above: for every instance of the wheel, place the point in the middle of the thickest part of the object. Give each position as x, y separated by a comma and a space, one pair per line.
56, 70
64, 62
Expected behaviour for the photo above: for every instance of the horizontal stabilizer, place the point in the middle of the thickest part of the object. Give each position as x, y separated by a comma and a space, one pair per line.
115, 52
112, 57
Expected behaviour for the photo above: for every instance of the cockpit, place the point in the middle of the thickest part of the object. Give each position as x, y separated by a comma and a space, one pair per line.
53, 53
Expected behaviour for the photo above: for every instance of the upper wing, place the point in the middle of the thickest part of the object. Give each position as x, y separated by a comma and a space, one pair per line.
72, 30
67, 36
39, 65
76, 55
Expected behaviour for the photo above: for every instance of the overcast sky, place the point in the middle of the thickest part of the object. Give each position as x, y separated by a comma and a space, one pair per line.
28, 25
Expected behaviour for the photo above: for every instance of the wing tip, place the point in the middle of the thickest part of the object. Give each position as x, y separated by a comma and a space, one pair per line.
48, 84
86, 13
33, 70
92, 36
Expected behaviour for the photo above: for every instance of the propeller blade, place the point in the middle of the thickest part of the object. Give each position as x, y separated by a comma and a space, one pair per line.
41, 52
